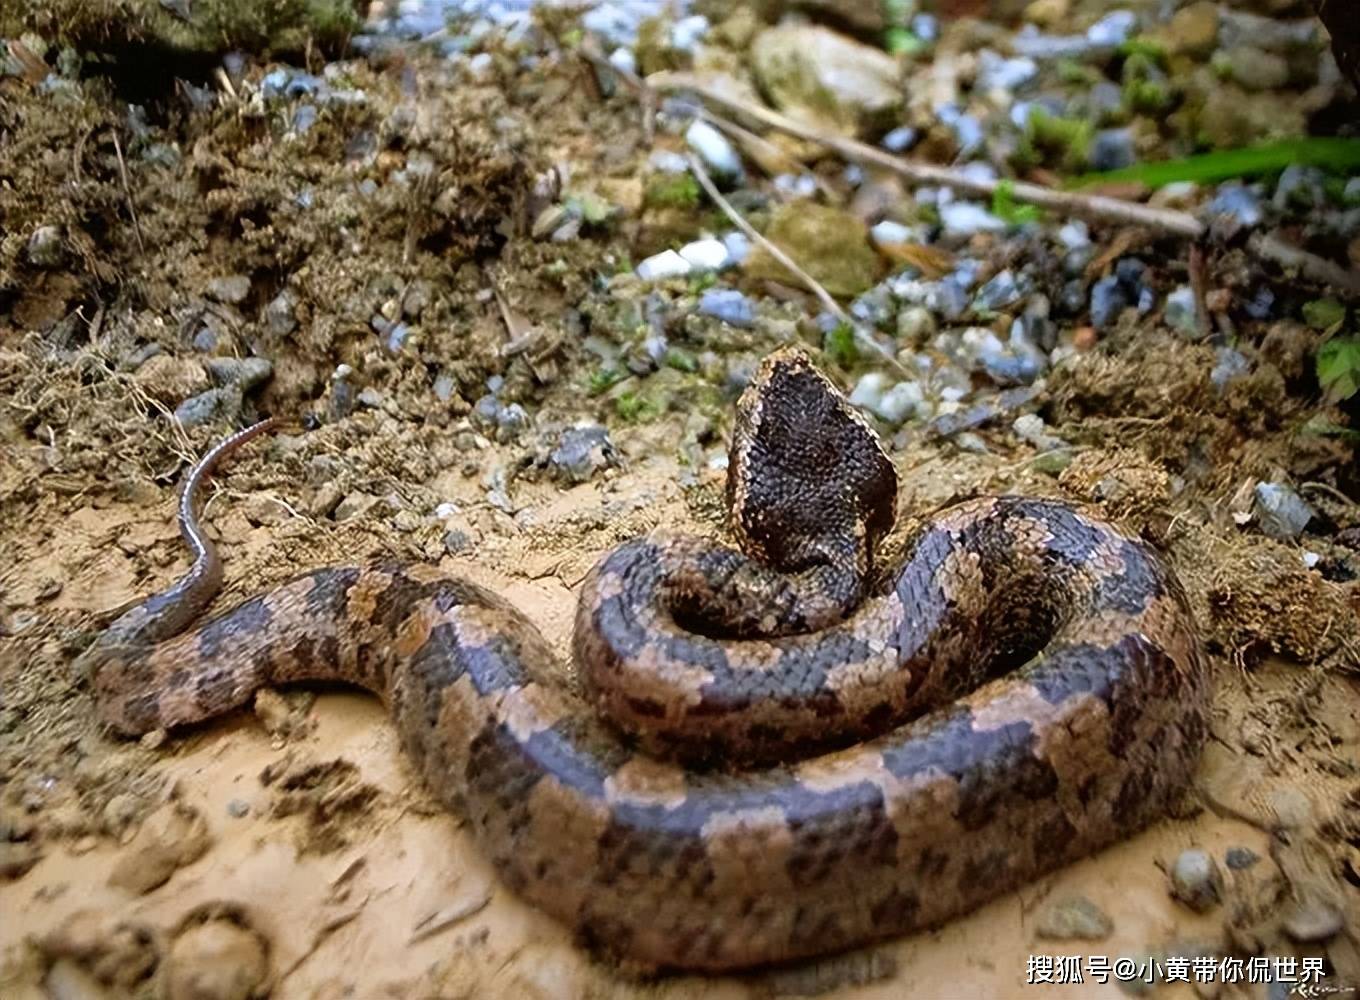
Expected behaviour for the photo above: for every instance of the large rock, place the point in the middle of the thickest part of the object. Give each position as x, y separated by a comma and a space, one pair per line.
831, 245
827, 80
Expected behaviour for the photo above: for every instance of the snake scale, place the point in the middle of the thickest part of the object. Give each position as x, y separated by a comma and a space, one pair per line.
765, 755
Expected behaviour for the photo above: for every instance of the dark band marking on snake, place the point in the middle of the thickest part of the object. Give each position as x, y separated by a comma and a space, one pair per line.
767, 758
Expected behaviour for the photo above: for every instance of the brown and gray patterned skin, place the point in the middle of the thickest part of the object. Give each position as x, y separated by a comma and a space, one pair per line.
1028, 690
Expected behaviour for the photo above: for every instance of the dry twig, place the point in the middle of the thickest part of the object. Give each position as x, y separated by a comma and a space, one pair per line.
127, 192
809, 282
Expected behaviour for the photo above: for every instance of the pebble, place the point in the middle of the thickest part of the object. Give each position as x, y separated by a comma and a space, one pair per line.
623, 60
1030, 427
1179, 311
915, 324
1235, 207
1254, 69
966, 218
891, 403
246, 373
1299, 187
1109, 298
1229, 364
1002, 291
719, 155
1009, 369
1112, 149
45, 247
705, 255
900, 139
667, 264
222, 403
1029, 41
216, 960
238, 808
1074, 918
728, 305
663, 161
279, 315
894, 234
1281, 512
1196, 880
457, 542
1261, 305
230, 289
1075, 235
1240, 858
581, 452
1309, 923
687, 32
738, 247
996, 72
355, 505
1113, 29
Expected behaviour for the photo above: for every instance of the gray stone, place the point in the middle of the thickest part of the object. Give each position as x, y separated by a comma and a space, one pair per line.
1235, 207
1196, 880
222, 403
581, 452
728, 305
1282, 513
667, 264
718, 154
457, 542
1113, 29
965, 218
45, 247
238, 808
355, 505
231, 289
244, 372
900, 139
705, 255
890, 403
279, 315
1255, 69
915, 324
1002, 291
1179, 312
815, 74
1299, 187
1109, 298
998, 73
1112, 149
1229, 364
1240, 858
1074, 918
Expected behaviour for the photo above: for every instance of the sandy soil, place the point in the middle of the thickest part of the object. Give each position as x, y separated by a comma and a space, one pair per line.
289, 851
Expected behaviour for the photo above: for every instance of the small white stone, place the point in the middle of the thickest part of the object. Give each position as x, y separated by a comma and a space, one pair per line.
900, 402
706, 255
964, 218
667, 264
868, 391
1311, 559
714, 149
888, 233
623, 60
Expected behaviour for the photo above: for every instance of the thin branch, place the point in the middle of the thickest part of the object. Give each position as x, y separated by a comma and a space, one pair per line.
127, 192
809, 282
1309, 265
1086, 206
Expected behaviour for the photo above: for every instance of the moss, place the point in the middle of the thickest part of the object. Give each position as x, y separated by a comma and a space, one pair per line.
671, 191
1052, 139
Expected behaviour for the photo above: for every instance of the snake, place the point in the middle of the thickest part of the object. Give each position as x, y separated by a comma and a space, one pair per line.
758, 753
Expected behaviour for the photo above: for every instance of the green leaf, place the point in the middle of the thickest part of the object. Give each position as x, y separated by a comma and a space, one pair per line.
1340, 155
1338, 367
1010, 211
840, 345
603, 378
900, 41
1324, 314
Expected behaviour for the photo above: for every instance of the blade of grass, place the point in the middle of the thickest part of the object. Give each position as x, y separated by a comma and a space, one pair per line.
1328, 153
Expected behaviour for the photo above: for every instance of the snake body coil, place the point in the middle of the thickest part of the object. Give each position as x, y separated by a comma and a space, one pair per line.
765, 763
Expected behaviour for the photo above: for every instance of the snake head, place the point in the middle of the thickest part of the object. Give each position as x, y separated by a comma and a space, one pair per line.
808, 481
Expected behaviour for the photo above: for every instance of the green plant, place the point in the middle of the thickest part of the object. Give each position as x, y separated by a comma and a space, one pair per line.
1338, 367
839, 345
1007, 209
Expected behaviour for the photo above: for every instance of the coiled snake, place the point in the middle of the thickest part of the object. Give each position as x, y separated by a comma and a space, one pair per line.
765, 757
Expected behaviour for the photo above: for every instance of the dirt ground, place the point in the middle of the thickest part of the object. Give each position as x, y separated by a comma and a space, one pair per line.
289, 850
